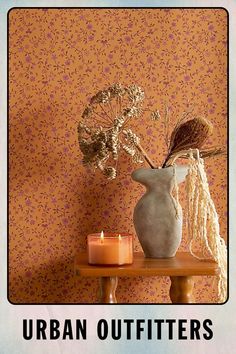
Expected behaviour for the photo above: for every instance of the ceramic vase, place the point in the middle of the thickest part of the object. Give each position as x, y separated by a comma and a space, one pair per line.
157, 215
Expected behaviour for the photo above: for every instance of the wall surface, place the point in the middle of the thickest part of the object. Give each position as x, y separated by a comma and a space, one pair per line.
59, 58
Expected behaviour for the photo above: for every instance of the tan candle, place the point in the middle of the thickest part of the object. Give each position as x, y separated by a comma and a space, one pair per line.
110, 249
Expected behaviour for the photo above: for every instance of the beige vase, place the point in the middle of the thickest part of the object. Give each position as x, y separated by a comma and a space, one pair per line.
157, 216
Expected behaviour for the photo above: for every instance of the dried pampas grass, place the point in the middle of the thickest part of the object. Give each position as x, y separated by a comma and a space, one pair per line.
203, 223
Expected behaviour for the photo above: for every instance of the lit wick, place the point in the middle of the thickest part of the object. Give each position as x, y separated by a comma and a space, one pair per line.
102, 237
119, 238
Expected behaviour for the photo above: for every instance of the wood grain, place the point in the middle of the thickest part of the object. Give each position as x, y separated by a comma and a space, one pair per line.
108, 287
181, 290
183, 264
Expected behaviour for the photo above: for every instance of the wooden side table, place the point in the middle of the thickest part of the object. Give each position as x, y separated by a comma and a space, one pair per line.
181, 269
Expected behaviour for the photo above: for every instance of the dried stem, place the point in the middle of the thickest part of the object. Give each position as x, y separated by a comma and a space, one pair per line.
120, 105
99, 115
212, 152
166, 125
184, 154
116, 107
126, 121
145, 155
100, 119
110, 118
112, 112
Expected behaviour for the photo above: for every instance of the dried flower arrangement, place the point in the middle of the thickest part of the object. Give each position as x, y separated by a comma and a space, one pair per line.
103, 132
111, 110
102, 143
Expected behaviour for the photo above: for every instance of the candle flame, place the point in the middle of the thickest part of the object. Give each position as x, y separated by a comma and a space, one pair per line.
119, 237
102, 236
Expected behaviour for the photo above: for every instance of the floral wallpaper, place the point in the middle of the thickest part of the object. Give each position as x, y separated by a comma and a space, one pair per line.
58, 59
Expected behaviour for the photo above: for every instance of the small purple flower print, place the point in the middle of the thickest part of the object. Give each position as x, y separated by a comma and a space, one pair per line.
107, 69
65, 221
186, 78
57, 60
28, 202
149, 60
127, 39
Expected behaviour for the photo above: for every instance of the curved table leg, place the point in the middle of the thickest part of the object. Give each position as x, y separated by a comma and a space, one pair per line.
181, 290
108, 287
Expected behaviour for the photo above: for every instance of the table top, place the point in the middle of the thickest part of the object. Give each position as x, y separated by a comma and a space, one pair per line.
183, 264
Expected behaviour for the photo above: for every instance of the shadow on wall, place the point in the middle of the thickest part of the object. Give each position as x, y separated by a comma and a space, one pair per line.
54, 283
93, 204
41, 286
40, 171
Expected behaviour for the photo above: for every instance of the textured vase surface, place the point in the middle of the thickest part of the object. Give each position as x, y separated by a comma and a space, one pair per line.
157, 216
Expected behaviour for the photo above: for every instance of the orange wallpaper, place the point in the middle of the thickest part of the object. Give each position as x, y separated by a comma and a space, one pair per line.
58, 58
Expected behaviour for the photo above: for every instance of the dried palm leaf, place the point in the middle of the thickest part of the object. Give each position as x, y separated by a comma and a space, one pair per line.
191, 134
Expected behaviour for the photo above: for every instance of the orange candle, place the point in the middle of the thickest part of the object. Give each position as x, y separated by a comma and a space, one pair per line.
110, 249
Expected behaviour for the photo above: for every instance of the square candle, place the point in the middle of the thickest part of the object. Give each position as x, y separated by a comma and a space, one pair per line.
110, 249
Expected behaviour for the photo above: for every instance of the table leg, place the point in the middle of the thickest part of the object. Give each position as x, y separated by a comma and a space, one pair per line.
181, 290
108, 287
